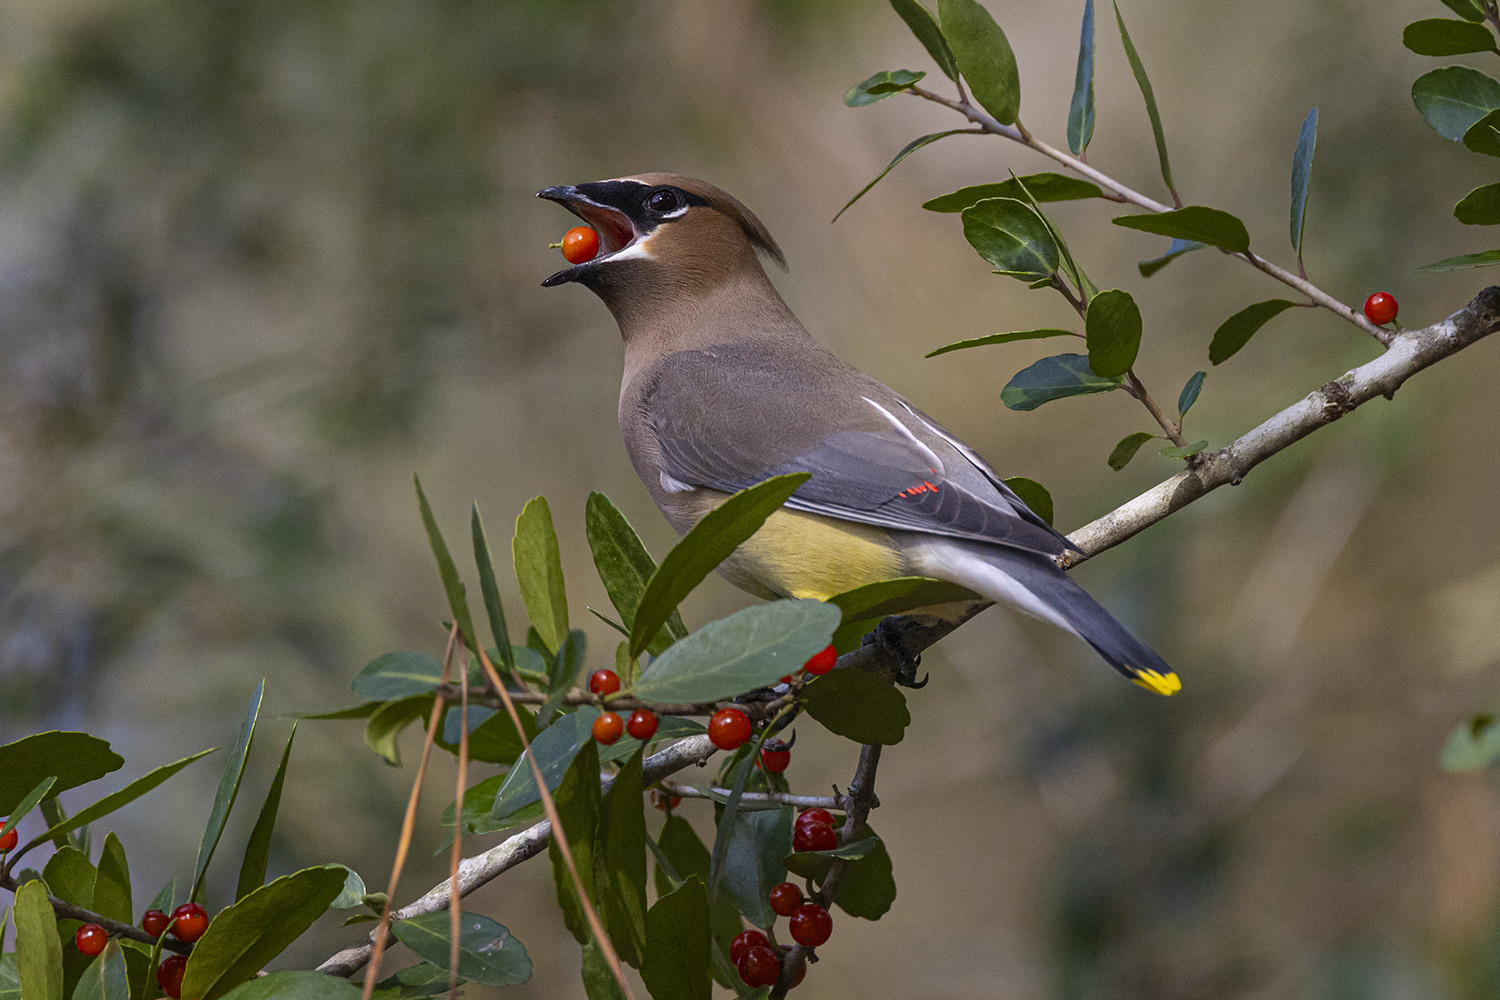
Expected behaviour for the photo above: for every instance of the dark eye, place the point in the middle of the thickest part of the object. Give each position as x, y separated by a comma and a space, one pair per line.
664, 201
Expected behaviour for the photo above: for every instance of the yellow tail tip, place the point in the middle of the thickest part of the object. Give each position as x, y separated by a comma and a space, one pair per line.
1162, 684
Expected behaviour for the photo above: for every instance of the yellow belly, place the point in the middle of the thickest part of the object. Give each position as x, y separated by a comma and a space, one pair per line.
796, 554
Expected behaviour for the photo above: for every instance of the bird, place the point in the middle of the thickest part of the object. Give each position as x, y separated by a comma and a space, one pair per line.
723, 388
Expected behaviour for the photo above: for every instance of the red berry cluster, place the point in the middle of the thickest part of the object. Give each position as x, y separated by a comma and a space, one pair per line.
813, 831
759, 961
609, 727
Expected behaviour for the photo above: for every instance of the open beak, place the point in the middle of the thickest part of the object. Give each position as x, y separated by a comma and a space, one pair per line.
616, 232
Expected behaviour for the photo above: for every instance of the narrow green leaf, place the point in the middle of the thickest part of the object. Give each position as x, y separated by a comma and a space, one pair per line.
1484, 135
1189, 394
1044, 187
1126, 449
758, 841
398, 675
599, 981
906, 151
27, 803
815, 864
1302, 160
1139, 69
1473, 746
1054, 378
1185, 451
487, 952
1112, 326
1236, 331
858, 706
678, 943
565, 667
38, 948
112, 884
690, 858
620, 863
1193, 222
624, 567
300, 986
864, 607
1469, 10
385, 726
1012, 236
539, 572
1177, 249
984, 57
881, 85
164, 898
1453, 98
1081, 110
554, 750
1486, 258
361, 711
110, 803
579, 803
258, 849
1442, 36
1069, 266
229, 789
458, 601
105, 978
490, 591
749, 649
700, 551
999, 338
922, 24
71, 759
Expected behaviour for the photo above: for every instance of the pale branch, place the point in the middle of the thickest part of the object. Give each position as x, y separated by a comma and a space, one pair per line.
778, 798
69, 911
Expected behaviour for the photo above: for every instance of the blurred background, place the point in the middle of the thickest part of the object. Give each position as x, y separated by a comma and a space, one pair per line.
260, 261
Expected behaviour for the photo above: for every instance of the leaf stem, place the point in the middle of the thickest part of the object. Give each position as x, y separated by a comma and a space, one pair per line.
1174, 432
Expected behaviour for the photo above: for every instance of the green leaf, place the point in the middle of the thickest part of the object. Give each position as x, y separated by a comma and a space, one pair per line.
1469, 10
112, 884
815, 864
999, 338
1126, 449
1081, 110
579, 803
299, 986
70, 875
1043, 187
700, 551
458, 602
353, 892
228, 791
105, 978
1442, 36
487, 952
554, 750
1177, 249
881, 85
1486, 258
258, 848
241, 939
360, 711
110, 803
1189, 394
1185, 451
858, 706
1197, 223
624, 567
1484, 135
539, 572
398, 675
72, 759
868, 887
163, 899
385, 725
864, 607
1052, 378
686, 853
1473, 746
1453, 98
492, 738
1112, 326
620, 863
1236, 331
490, 591
926, 29
1033, 494
758, 841
984, 57
27, 803
1480, 207
1012, 236
1302, 160
599, 981
907, 150
1139, 69
38, 947
751, 648
677, 961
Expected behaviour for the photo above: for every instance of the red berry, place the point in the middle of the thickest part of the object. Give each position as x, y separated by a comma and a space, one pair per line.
1380, 308
154, 922
745, 940
785, 897
169, 975
821, 663
90, 939
729, 728
810, 925
8, 841
190, 921
775, 761
663, 801
642, 724
814, 837
608, 727
603, 682
580, 244
759, 966
815, 816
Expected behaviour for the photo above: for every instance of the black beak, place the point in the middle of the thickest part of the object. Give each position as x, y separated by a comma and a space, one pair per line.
615, 229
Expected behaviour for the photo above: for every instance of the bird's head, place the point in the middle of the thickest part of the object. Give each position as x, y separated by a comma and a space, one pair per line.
661, 235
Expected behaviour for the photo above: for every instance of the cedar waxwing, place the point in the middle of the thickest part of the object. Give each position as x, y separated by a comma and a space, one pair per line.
723, 388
